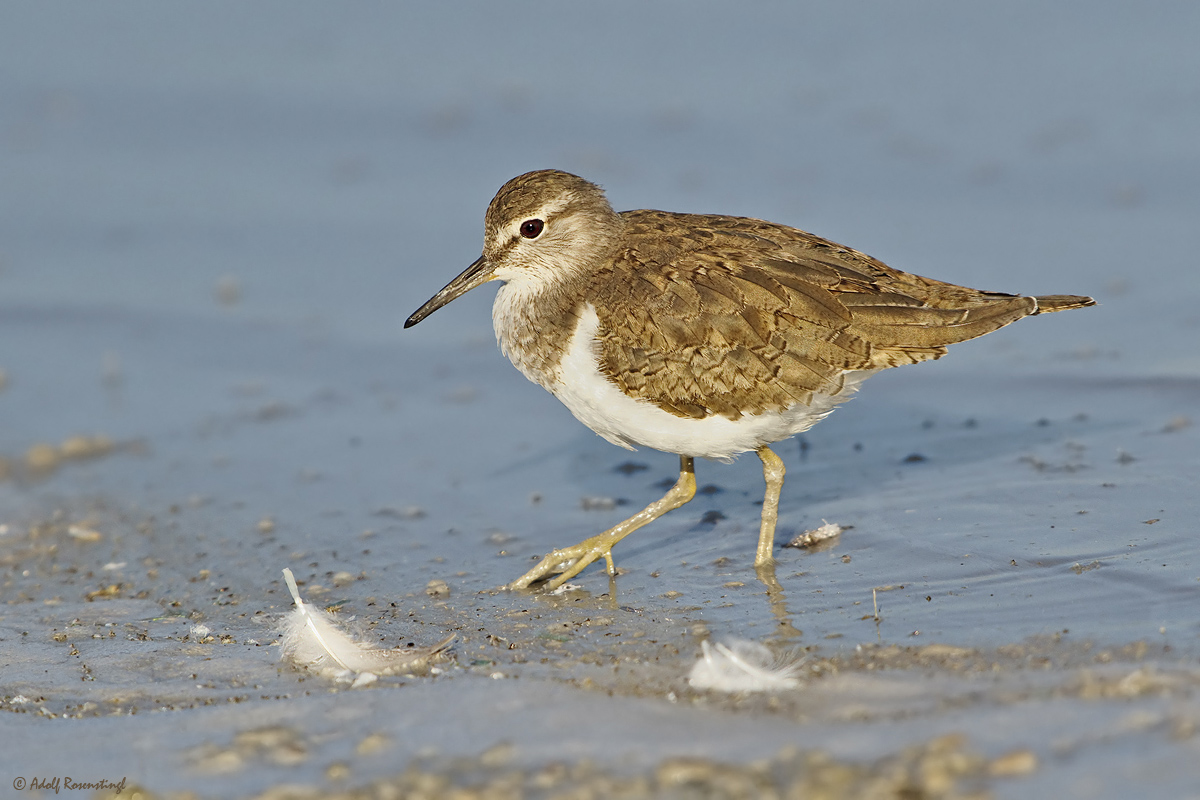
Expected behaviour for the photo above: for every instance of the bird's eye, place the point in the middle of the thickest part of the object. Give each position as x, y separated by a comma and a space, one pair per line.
532, 228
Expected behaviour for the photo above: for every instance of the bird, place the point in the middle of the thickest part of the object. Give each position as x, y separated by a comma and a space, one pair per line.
702, 335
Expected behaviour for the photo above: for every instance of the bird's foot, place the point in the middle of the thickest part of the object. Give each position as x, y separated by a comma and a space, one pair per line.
569, 562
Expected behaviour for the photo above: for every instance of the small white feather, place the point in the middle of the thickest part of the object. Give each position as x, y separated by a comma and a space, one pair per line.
312, 639
743, 666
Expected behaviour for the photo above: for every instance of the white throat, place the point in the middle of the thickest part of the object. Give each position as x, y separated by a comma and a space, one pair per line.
533, 317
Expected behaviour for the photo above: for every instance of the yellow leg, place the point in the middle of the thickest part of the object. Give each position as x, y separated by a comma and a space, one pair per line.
773, 472
570, 561
764, 558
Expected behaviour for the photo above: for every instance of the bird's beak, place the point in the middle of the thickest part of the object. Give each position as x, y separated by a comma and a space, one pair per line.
477, 274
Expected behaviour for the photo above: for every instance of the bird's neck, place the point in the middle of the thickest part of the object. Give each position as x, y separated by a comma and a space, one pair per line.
534, 324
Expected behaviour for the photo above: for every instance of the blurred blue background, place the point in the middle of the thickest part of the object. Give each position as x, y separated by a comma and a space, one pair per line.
335, 160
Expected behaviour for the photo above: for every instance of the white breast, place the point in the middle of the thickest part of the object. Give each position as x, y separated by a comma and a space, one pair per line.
598, 403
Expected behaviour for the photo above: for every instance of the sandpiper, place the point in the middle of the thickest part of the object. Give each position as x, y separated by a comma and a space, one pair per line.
700, 334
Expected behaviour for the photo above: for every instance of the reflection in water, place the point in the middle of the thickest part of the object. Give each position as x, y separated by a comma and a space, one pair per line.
775, 597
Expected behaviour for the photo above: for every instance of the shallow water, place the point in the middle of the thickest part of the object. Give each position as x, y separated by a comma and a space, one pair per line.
212, 235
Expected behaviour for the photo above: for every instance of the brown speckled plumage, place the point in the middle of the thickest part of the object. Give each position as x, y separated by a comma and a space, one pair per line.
704, 314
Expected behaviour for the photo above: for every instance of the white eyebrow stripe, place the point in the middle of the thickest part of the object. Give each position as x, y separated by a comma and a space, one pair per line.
544, 212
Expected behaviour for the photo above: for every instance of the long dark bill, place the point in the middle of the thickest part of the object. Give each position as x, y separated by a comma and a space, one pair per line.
477, 274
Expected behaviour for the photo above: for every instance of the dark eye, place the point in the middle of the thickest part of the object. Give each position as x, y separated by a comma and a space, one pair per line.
532, 228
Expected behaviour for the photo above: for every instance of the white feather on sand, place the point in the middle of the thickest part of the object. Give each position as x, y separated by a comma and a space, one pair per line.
312, 639
828, 530
743, 666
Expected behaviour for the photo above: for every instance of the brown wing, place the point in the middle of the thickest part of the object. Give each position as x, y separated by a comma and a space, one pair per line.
717, 315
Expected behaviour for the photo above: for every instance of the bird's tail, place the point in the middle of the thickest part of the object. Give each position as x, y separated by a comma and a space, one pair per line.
1061, 302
